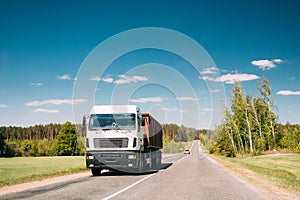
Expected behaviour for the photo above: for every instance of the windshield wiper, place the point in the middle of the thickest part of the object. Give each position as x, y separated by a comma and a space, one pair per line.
94, 129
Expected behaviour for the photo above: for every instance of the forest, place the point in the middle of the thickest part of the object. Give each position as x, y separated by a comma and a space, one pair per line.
41, 140
66, 139
250, 126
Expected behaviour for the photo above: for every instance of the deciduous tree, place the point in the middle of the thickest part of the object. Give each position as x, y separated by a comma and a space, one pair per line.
66, 140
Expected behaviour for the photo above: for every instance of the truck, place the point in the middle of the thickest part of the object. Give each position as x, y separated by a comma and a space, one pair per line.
121, 138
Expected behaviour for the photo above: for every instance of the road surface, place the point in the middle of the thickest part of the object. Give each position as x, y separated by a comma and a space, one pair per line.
191, 176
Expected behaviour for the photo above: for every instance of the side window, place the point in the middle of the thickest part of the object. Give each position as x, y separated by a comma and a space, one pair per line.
83, 128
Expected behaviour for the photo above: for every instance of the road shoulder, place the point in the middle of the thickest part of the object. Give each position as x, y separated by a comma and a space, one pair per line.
31, 185
271, 189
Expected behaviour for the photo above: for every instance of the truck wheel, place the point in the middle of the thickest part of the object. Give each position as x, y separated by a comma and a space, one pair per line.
158, 160
96, 172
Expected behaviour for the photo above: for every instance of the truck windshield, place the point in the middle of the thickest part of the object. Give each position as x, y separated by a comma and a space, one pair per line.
112, 121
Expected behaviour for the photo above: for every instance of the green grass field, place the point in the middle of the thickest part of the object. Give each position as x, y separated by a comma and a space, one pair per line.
26, 169
281, 169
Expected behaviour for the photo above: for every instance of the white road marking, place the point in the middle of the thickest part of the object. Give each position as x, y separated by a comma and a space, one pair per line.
136, 183
127, 188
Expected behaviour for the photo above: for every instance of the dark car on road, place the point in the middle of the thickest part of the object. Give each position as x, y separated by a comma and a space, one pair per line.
187, 151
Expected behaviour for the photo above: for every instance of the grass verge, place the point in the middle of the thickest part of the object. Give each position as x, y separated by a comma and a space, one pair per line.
277, 174
26, 169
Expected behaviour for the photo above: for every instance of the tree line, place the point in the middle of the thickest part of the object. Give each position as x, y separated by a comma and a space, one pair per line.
66, 139
250, 125
41, 140
182, 133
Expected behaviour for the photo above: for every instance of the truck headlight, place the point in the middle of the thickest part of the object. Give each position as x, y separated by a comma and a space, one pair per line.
90, 157
131, 156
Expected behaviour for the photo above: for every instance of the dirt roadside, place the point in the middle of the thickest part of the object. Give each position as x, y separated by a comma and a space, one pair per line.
272, 189
45, 182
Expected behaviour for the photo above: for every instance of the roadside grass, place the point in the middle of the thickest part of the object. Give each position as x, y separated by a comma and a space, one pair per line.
26, 169
283, 170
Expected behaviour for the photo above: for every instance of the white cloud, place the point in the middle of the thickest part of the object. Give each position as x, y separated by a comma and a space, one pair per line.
169, 109
232, 78
214, 91
224, 70
277, 60
95, 78
106, 80
148, 99
45, 110
36, 84
186, 99
292, 78
205, 111
64, 77
210, 70
56, 102
266, 64
123, 79
3, 106
288, 92
207, 78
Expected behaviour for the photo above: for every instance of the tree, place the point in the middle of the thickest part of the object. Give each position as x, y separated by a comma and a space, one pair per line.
1, 141
230, 128
181, 134
80, 148
240, 115
66, 140
26, 146
250, 125
43, 147
268, 116
170, 130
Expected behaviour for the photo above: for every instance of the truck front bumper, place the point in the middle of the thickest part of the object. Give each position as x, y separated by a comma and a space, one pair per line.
115, 160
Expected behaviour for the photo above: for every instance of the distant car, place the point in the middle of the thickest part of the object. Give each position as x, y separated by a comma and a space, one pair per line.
187, 151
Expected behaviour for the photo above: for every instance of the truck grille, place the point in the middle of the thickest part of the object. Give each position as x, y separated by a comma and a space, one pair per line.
111, 142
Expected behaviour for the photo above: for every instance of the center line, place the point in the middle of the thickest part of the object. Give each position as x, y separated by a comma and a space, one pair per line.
127, 188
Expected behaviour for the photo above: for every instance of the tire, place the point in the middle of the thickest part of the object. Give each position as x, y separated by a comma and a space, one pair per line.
158, 159
155, 160
96, 172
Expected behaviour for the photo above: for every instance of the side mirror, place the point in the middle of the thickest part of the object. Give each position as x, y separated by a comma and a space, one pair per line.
83, 128
143, 122
84, 120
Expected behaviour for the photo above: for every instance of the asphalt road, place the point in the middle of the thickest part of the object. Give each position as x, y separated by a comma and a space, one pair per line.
192, 176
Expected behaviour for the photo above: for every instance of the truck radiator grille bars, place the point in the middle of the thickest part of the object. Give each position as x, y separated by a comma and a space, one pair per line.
111, 142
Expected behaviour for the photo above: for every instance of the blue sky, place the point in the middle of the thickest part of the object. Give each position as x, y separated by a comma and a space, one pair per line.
44, 44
